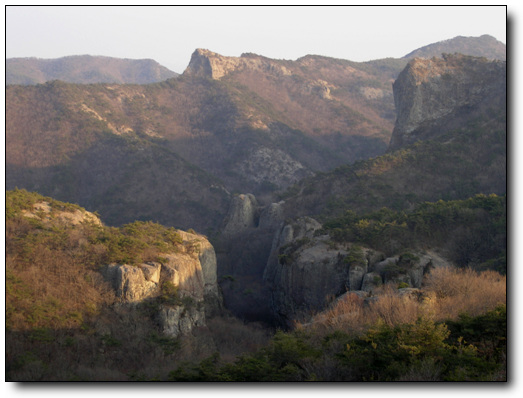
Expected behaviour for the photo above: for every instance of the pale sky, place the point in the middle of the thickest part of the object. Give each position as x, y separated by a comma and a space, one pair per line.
169, 35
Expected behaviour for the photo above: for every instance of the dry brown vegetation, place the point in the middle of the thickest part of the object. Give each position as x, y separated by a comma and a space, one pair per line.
460, 291
62, 319
47, 287
447, 293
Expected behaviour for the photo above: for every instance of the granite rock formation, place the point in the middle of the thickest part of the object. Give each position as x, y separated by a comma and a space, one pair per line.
191, 276
432, 96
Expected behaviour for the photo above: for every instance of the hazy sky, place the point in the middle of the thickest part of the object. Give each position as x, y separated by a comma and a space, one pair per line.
169, 35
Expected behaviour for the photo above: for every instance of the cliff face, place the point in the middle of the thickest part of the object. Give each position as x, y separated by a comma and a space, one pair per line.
205, 63
306, 270
434, 95
189, 276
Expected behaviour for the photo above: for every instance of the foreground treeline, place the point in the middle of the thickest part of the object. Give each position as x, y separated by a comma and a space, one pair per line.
469, 349
453, 329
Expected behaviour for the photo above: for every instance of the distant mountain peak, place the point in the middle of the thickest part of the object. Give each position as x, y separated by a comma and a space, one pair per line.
85, 69
482, 46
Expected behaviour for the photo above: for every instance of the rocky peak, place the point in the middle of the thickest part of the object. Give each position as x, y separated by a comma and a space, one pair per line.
208, 64
428, 90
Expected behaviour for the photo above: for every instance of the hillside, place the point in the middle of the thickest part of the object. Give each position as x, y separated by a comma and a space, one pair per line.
443, 147
252, 130
60, 145
80, 295
85, 69
226, 125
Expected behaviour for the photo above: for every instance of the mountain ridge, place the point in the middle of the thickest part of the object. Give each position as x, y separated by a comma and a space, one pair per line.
259, 126
85, 69
98, 69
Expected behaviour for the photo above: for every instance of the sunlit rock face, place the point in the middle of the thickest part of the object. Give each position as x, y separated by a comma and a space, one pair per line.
190, 278
205, 63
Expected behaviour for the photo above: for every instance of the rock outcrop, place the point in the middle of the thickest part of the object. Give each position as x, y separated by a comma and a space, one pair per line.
434, 96
130, 283
188, 277
243, 214
273, 166
74, 216
306, 270
208, 64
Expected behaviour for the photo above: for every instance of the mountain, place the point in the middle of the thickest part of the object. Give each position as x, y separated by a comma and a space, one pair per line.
482, 46
449, 142
176, 151
85, 69
257, 124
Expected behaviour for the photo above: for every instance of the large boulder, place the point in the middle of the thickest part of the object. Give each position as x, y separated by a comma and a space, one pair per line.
129, 282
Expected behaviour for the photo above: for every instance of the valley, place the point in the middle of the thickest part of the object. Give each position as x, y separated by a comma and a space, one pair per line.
257, 219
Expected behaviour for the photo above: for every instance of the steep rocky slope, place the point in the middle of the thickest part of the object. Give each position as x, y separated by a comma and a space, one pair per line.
189, 274
462, 151
85, 69
436, 95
